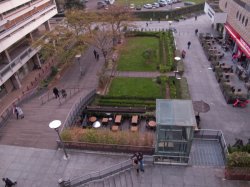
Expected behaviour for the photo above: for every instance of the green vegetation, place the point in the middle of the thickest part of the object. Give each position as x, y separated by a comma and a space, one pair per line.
135, 87
105, 136
238, 159
133, 56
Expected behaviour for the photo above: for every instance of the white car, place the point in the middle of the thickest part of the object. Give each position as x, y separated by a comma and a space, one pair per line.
155, 5
132, 6
148, 6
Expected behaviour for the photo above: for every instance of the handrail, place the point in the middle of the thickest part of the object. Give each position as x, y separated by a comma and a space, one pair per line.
75, 109
48, 95
127, 164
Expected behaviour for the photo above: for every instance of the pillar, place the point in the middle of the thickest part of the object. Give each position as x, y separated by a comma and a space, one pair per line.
31, 37
7, 55
38, 61
16, 81
47, 26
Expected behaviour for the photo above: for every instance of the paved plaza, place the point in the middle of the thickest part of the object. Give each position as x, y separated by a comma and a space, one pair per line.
28, 150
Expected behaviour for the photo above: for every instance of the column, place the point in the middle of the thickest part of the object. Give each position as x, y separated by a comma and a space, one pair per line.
47, 26
38, 60
31, 37
7, 55
16, 81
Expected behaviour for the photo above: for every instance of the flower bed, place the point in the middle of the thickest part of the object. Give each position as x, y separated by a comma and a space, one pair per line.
105, 140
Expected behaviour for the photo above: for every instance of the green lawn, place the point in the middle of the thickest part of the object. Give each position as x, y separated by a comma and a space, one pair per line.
142, 2
135, 87
132, 59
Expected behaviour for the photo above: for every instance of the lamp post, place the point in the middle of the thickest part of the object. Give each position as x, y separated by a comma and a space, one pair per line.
176, 71
55, 125
78, 57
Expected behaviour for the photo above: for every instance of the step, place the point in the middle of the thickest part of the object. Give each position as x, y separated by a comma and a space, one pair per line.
111, 181
128, 178
123, 179
117, 180
106, 182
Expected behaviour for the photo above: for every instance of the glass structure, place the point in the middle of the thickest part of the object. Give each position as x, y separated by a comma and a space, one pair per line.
175, 127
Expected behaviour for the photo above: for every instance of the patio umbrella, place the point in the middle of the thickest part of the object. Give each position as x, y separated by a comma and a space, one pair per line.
201, 106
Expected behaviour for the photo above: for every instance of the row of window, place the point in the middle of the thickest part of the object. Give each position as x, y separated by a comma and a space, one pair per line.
242, 18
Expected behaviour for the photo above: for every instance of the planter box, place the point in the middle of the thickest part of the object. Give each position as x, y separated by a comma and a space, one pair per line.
237, 173
109, 147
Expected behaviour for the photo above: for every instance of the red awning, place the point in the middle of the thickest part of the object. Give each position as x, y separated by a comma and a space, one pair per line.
241, 43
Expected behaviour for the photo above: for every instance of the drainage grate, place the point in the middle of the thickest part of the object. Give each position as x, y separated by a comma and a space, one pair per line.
206, 153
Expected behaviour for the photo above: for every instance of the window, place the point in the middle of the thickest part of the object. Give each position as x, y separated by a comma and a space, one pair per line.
243, 19
240, 17
246, 22
226, 5
237, 15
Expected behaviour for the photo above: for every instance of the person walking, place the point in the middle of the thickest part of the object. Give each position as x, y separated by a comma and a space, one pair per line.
189, 44
64, 94
56, 92
183, 53
195, 18
147, 24
20, 112
97, 56
136, 165
196, 32
95, 53
140, 159
9, 183
15, 111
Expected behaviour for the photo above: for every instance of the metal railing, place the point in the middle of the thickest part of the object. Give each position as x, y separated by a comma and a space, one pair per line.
210, 134
171, 160
50, 95
117, 168
77, 109
27, 53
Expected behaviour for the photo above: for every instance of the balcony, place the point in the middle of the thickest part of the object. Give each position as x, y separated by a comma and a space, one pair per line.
8, 70
17, 32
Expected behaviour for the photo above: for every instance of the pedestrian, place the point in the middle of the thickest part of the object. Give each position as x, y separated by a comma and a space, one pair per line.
151, 20
9, 183
183, 53
196, 32
140, 159
195, 18
189, 44
95, 53
136, 165
20, 112
15, 111
147, 24
159, 20
97, 56
64, 94
56, 92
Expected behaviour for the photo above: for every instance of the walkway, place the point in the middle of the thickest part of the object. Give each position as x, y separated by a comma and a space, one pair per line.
33, 130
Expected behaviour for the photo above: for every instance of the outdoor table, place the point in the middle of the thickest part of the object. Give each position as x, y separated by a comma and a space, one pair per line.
96, 124
92, 119
134, 128
115, 128
152, 124
118, 118
105, 120
134, 119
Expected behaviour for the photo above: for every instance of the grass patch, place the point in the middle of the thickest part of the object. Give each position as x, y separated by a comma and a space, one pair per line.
135, 87
132, 54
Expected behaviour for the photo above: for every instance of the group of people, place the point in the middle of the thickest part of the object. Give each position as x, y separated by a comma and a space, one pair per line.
96, 54
137, 161
56, 93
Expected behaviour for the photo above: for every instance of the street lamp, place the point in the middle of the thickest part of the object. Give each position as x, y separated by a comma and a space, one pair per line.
176, 71
78, 57
55, 125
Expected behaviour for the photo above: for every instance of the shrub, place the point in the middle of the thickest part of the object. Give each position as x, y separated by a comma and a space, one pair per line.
54, 71
66, 135
238, 159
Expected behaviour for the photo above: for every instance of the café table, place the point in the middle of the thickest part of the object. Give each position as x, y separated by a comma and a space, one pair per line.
118, 118
152, 124
115, 128
134, 128
92, 119
134, 119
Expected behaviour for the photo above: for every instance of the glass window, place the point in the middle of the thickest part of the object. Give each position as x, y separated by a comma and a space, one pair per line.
237, 15
243, 19
246, 22
226, 5
240, 17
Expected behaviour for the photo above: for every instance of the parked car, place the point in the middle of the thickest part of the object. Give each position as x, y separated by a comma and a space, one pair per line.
138, 7
162, 3
132, 6
155, 5
148, 6
101, 4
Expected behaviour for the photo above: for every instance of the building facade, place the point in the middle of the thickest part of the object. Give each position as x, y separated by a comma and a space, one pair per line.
21, 23
234, 27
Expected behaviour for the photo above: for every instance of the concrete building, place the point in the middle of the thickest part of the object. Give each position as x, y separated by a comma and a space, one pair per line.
232, 19
21, 22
